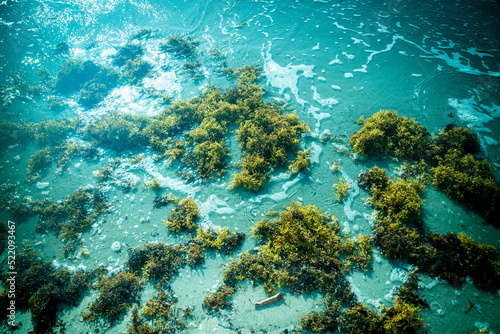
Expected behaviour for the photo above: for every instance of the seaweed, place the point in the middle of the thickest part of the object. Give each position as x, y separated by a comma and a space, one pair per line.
61, 47
222, 240
73, 74
39, 162
386, 132
55, 132
118, 131
164, 200
126, 53
342, 189
142, 34
219, 299
180, 47
157, 261
301, 162
116, 294
458, 256
184, 216
159, 315
44, 289
300, 249
470, 181
73, 216
135, 70
327, 320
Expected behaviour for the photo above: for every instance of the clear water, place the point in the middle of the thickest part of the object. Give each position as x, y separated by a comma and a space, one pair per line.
333, 61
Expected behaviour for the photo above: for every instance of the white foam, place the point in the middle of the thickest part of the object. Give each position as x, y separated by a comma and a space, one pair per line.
324, 102
280, 195
148, 165
285, 77
348, 75
215, 204
399, 274
353, 192
335, 87
469, 112
316, 152
318, 116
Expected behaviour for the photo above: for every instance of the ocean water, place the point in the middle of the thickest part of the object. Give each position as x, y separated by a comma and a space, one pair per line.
332, 61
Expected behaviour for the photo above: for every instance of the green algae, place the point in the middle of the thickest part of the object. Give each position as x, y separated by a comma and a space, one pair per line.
386, 132
221, 240
156, 261
44, 289
403, 317
452, 154
159, 315
118, 131
184, 216
301, 249
179, 46
71, 217
116, 294
342, 189
219, 300
399, 232
301, 162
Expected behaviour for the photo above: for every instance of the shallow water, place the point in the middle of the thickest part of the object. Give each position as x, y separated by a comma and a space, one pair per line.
332, 61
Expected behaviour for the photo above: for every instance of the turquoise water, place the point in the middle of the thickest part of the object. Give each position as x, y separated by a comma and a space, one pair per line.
332, 61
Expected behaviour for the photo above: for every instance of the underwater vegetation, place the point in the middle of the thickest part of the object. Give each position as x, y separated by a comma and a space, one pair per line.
159, 315
72, 216
301, 249
118, 131
116, 294
193, 133
91, 80
44, 289
156, 261
398, 231
462, 176
222, 240
301, 162
453, 155
129, 51
403, 317
386, 132
219, 299
184, 216
342, 189
180, 47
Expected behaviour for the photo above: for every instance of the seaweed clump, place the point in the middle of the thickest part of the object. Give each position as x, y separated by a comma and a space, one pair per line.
222, 240
301, 250
184, 216
157, 261
73, 216
386, 132
219, 300
301, 162
159, 315
43, 289
398, 231
403, 317
118, 131
116, 295
92, 81
180, 47
462, 176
